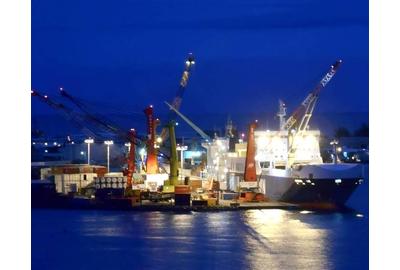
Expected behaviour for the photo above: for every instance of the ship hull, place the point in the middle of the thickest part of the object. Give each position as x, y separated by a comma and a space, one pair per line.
315, 186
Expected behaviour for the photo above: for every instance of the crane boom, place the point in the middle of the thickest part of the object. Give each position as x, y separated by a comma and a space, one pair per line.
176, 102
89, 118
89, 115
304, 111
68, 113
190, 123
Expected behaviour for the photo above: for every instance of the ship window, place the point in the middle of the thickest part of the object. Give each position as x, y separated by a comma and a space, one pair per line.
84, 177
265, 164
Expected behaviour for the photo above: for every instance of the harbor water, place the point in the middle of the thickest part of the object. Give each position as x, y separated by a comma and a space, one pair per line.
252, 239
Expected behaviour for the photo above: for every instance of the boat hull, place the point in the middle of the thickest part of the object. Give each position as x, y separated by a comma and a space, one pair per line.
315, 185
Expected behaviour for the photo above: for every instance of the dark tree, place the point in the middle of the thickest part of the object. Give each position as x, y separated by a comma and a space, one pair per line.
342, 132
363, 131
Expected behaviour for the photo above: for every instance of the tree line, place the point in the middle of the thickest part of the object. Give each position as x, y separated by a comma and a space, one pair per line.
362, 131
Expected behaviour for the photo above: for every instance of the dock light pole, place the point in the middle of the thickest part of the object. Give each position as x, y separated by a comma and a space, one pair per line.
108, 143
88, 141
182, 148
334, 144
128, 145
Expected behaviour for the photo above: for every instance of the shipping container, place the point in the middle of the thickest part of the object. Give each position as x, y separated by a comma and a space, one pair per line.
182, 189
199, 203
211, 201
57, 170
182, 199
86, 169
71, 170
194, 184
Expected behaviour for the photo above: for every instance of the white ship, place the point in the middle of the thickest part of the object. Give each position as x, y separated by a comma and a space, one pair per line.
289, 166
288, 161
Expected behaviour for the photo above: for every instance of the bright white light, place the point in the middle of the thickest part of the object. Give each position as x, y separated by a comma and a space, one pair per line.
159, 178
72, 142
159, 139
109, 142
338, 181
46, 151
142, 151
82, 153
262, 142
305, 212
298, 181
33, 143
339, 149
45, 143
89, 141
176, 124
54, 143
359, 215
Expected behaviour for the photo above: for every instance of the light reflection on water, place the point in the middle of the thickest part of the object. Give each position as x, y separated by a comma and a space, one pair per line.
303, 245
254, 239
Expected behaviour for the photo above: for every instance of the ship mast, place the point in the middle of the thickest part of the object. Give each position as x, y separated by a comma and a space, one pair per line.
282, 114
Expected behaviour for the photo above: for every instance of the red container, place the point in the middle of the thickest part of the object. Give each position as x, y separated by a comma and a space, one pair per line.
182, 189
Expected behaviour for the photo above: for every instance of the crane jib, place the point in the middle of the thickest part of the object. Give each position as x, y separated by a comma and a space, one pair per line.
328, 77
309, 102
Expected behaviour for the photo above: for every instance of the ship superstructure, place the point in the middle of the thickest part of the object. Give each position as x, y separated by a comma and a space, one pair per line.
288, 161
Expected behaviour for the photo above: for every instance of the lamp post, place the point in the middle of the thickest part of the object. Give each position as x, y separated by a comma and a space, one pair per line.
182, 148
88, 141
128, 145
334, 144
108, 143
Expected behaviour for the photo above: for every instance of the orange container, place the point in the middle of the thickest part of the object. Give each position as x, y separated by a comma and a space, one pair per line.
182, 189
194, 184
71, 170
247, 196
101, 171
260, 197
86, 169
57, 170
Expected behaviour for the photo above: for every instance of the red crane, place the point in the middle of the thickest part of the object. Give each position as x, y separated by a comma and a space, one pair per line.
250, 174
249, 189
151, 162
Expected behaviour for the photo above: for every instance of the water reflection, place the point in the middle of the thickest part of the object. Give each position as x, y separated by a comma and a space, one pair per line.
277, 239
255, 239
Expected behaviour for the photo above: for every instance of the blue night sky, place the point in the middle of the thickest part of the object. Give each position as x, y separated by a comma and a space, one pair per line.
248, 53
